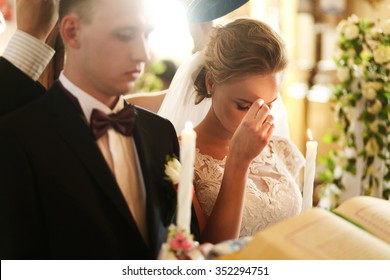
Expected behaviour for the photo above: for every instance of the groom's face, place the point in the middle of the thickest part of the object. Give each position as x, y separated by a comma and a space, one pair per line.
112, 46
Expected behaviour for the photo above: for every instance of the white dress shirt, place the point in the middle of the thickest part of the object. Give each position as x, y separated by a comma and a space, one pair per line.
120, 153
28, 54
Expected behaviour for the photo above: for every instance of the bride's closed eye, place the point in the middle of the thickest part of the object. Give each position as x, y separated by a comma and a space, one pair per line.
243, 106
246, 106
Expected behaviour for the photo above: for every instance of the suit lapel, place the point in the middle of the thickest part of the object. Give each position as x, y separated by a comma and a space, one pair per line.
72, 126
157, 200
143, 140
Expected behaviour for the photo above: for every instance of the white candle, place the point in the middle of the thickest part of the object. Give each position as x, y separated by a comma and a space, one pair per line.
187, 159
310, 168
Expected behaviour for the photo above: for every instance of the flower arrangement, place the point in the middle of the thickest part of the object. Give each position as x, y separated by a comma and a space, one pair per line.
361, 105
180, 243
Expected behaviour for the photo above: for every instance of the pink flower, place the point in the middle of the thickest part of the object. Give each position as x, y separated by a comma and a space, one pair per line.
180, 242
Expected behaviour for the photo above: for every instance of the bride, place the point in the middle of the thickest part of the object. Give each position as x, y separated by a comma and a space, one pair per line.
244, 176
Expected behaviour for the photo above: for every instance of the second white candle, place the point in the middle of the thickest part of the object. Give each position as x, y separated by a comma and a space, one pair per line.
310, 169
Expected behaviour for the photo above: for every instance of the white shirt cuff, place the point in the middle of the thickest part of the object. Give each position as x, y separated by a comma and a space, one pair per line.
28, 54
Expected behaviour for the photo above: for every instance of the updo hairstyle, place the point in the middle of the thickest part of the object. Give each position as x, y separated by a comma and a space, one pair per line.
240, 48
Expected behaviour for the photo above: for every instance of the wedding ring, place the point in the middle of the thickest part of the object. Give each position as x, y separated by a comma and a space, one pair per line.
270, 123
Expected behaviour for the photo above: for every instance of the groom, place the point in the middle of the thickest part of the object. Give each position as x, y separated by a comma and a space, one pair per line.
73, 190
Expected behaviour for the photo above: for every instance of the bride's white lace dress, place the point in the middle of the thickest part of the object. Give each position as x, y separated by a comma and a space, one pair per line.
272, 193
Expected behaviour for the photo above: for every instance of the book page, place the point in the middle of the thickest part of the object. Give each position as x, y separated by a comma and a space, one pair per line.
370, 213
317, 235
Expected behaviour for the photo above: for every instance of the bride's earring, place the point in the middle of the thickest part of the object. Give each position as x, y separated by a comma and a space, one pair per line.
208, 94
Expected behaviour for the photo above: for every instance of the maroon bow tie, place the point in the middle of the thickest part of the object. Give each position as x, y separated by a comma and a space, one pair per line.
122, 121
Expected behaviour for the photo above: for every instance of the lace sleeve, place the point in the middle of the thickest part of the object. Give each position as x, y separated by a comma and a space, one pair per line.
289, 154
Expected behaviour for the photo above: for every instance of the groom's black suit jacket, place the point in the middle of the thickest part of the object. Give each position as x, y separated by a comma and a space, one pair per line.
58, 197
16, 88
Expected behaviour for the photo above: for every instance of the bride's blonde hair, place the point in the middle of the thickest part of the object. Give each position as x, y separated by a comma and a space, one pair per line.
238, 49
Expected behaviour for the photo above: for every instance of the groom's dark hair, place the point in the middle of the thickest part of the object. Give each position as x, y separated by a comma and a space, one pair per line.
83, 8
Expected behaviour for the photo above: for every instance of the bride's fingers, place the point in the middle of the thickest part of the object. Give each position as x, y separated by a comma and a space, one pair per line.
253, 133
254, 109
262, 115
258, 116
268, 122
270, 131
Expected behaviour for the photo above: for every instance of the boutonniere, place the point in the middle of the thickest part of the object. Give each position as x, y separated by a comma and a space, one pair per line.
172, 170
171, 181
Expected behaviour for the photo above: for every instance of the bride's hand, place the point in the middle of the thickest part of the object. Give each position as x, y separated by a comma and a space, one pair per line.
253, 133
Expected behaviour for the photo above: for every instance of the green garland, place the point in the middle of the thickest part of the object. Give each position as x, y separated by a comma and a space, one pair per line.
361, 106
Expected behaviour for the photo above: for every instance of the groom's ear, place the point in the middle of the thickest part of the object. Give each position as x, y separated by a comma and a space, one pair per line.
70, 27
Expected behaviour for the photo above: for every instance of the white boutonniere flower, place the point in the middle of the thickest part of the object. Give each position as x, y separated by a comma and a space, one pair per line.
172, 170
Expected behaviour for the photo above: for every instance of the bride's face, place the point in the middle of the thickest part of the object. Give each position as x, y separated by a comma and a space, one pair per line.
231, 100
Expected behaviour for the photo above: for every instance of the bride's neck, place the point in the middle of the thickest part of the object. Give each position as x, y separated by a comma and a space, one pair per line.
212, 138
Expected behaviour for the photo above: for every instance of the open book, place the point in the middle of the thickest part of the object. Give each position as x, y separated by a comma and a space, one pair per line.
358, 229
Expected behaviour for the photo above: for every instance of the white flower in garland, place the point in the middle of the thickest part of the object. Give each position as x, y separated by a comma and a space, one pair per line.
370, 89
361, 103
351, 31
382, 54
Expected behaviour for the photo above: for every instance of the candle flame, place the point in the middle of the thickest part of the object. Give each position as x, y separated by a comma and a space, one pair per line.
309, 134
188, 125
